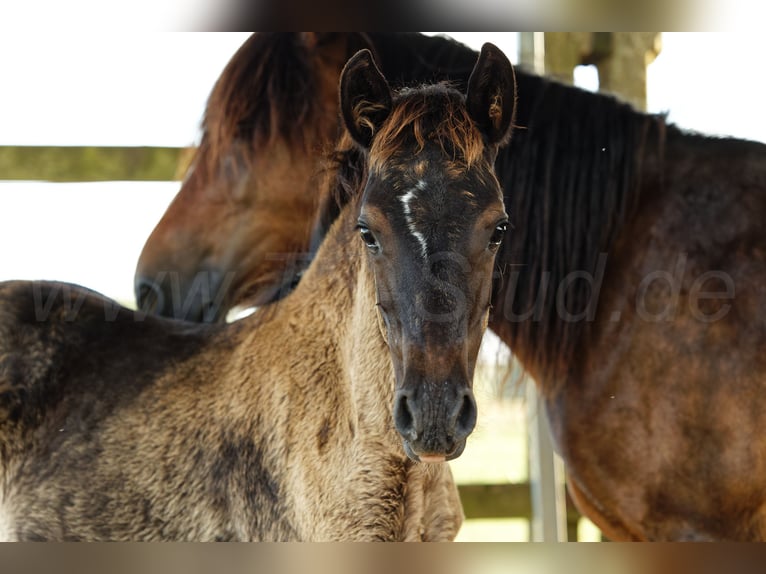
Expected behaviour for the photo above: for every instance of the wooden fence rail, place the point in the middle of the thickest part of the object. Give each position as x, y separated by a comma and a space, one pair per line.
88, 163
510, 500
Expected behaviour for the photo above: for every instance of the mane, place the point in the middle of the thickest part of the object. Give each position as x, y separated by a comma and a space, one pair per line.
344, 174
268, 90
436, 113
412, 59
572, 178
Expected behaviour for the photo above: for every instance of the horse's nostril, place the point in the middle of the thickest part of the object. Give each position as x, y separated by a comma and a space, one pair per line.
466, 418
404, 419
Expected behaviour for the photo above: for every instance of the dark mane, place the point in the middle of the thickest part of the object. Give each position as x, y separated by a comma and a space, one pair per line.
267, 90
572, 178
411, 59
269, 73
345, 171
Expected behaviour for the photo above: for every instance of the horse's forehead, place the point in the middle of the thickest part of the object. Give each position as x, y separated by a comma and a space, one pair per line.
432, 209
426, 184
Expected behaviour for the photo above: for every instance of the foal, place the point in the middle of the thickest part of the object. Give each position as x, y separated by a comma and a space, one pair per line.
315, 421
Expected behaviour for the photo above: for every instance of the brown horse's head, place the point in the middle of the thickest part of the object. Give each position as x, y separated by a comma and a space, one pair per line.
267, 120
432, 218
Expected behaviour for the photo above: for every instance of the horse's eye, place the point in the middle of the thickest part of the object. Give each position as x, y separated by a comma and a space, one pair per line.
497, 235
368, 238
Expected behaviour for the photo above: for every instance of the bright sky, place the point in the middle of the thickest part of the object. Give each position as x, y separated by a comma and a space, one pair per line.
108, 89
150, 89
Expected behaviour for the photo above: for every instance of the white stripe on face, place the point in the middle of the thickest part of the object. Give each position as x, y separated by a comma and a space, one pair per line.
405, 199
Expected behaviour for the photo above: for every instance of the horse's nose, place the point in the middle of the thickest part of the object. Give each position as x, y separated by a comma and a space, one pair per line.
464, 415
434, 423
405, 419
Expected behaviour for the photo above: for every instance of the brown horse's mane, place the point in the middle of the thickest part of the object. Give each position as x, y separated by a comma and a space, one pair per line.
344, 173
268, 90
572, 178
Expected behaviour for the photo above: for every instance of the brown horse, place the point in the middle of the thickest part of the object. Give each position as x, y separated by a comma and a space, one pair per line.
631, 292
316, 421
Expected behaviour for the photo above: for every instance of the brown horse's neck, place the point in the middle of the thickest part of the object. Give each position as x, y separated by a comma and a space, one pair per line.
573, 174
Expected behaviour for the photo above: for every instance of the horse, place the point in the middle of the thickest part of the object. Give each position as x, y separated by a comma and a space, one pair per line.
329, 418
631, 294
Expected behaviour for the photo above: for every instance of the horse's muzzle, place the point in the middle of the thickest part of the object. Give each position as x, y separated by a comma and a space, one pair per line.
434, 420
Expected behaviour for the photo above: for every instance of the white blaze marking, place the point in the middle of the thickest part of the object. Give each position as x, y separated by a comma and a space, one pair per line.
405, 199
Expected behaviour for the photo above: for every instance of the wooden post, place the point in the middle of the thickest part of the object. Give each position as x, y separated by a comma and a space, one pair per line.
564, 51
620, 57
623, 70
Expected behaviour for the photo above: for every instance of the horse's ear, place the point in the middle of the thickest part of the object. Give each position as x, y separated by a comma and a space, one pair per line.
365, 97
491, 97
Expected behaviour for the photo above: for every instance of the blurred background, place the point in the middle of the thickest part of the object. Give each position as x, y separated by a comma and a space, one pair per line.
149, 89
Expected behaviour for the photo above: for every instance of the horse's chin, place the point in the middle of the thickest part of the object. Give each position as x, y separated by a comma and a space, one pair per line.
432, 458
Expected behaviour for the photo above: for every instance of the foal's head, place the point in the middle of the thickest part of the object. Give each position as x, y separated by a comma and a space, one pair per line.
432, 219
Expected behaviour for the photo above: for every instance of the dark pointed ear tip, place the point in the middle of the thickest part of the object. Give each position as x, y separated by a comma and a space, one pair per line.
359, 62
361, 58
489, 50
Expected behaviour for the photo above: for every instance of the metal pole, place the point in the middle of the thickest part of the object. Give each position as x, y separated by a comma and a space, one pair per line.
546, 469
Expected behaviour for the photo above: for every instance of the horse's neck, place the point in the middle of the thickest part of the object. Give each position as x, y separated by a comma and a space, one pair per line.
374, 467
369, 362
573, 175
339, 405
339, 287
